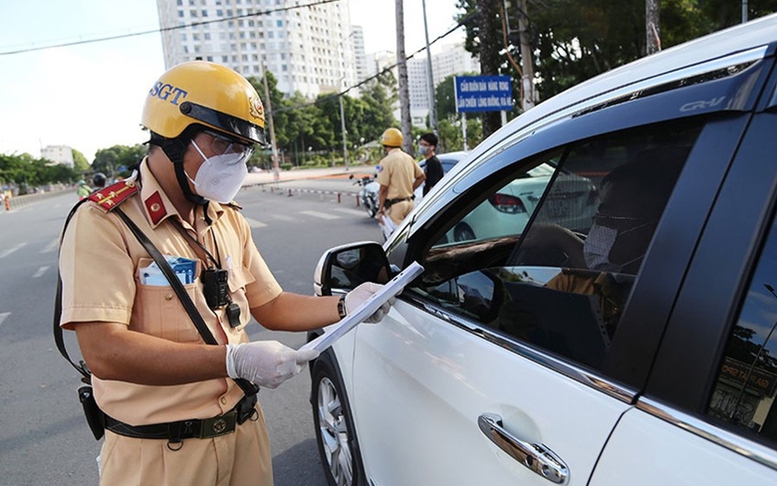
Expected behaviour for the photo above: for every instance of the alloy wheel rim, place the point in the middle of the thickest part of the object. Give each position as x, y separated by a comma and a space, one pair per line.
334, 433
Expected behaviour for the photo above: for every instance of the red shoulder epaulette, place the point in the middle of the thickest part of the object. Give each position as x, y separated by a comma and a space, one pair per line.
111, 196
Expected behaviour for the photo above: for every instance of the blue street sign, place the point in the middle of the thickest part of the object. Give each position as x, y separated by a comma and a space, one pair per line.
484, 93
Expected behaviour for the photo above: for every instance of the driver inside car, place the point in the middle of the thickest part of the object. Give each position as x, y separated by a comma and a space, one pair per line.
603, 264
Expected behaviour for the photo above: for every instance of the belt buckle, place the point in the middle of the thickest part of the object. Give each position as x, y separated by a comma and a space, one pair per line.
218, 426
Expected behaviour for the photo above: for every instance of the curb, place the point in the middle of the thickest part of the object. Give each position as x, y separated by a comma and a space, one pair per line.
291, 191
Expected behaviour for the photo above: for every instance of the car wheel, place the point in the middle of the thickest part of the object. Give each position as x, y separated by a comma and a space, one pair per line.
337, 444
463, 232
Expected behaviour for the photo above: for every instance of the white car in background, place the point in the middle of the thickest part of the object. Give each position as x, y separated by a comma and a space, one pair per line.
572, 204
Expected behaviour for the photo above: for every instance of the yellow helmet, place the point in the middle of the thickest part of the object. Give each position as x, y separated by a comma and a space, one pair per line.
208, 94
392, 138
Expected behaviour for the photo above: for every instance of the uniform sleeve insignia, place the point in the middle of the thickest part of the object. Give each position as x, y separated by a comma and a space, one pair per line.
110, 197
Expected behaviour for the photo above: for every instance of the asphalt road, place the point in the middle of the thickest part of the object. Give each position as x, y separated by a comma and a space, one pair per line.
43, 435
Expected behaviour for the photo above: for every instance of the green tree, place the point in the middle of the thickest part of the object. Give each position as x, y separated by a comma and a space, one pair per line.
24, 171
574, 40
451, 136
80, 163
379, 95
117, 160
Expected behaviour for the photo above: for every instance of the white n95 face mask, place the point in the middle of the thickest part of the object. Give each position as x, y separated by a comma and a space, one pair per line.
219, 177
597, 247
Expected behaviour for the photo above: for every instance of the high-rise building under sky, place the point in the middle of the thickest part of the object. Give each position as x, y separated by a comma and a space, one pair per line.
308, 49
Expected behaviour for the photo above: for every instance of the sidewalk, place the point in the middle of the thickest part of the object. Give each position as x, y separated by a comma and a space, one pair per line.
262, 178
252, 179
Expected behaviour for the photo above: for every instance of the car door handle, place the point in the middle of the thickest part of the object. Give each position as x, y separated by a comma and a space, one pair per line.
536, 457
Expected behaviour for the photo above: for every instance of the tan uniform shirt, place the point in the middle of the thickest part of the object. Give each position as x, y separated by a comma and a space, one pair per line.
397, 172
100, 261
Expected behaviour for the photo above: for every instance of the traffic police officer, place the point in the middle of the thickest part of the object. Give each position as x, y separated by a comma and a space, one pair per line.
398, 175
173, 412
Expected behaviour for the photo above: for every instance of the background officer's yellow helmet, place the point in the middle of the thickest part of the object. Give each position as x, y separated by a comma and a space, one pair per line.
391, 138
208, 94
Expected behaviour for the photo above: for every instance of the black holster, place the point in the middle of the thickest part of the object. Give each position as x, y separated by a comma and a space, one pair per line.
94, 416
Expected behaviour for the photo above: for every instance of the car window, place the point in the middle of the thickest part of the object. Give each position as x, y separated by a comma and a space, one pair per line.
746, 383
547, 253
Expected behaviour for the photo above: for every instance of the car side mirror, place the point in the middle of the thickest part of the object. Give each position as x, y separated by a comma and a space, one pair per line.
345, 267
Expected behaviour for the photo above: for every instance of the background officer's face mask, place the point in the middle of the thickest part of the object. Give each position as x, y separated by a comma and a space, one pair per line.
219, 177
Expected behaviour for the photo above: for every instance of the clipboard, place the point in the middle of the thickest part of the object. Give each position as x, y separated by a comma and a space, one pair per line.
369, 307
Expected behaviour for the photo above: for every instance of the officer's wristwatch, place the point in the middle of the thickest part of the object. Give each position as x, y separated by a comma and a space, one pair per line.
341, 307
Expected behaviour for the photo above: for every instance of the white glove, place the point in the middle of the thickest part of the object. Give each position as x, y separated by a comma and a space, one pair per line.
360, 294
266, 363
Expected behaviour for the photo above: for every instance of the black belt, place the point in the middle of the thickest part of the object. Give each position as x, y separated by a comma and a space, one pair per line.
175, 432
391, 202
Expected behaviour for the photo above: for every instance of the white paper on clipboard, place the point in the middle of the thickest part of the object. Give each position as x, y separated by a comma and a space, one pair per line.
369, 307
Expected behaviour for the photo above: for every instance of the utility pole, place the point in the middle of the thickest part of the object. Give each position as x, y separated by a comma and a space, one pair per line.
652, 26
404, 94
744, 11
430, 78
527, 62
268, 114
342, 129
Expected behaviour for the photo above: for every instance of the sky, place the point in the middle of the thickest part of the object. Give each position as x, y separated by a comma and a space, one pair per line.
90, 96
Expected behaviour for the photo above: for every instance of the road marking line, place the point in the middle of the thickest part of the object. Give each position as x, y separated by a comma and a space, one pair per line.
11, 250
255, 224
51, 246
40, 272
355, 212
3, 316
317, 214
282, 217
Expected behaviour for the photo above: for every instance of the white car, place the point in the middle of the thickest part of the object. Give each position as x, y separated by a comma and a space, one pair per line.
572, 204
639, 351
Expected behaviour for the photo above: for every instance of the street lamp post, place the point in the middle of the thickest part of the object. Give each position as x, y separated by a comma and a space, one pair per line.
342, 129
273, 145
430, 80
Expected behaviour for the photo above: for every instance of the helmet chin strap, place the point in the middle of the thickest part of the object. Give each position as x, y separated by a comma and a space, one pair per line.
174, 148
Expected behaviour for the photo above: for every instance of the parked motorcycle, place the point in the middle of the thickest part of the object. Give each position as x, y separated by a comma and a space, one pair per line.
368, 194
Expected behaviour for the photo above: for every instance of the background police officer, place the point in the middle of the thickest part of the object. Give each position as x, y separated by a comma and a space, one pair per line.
398, 175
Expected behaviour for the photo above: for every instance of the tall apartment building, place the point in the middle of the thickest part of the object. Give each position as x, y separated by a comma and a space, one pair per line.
450, 60
360, 58
308, 49
59, 154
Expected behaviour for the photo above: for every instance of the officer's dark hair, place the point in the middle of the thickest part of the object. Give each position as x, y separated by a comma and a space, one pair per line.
430, 138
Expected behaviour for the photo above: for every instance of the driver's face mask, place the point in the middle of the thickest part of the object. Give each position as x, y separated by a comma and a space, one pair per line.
598, 246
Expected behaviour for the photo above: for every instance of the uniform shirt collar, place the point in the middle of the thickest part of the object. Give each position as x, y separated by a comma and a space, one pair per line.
157, 205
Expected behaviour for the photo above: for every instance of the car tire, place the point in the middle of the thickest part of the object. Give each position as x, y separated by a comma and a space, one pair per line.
338, 447
462, 232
